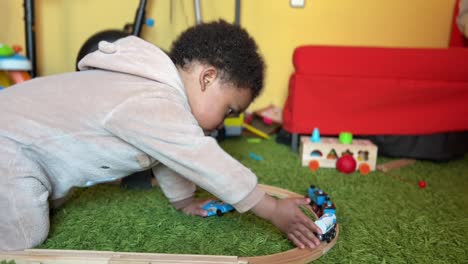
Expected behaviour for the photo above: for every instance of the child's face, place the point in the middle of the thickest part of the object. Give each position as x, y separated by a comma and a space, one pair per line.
218, 102
212, 99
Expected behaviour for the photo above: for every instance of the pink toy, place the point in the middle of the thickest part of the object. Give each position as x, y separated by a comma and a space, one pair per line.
267, 121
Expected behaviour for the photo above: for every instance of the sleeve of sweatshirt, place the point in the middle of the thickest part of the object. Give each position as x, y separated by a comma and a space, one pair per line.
161, 125
174, 186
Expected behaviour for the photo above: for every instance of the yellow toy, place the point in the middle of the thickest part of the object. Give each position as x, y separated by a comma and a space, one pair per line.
4, 80
233, 125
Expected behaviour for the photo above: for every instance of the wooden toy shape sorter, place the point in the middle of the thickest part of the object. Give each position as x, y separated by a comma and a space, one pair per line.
329, 149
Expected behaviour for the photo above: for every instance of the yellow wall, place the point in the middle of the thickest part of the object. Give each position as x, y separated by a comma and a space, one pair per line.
63, 25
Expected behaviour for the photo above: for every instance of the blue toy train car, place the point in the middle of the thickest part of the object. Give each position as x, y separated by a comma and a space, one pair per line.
217, 208
317, 195
325, 210
328, 207
327, 224
320, 201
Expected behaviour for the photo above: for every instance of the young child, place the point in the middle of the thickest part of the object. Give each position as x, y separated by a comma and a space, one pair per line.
132, 108
462, 17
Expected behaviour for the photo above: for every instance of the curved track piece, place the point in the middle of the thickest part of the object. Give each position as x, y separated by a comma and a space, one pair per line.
294, 255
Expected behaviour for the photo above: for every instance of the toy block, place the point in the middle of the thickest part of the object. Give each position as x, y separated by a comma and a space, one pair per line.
315, 136
233, 125
329, 149
234, 121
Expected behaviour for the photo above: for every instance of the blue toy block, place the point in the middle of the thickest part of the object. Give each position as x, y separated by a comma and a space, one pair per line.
315, 136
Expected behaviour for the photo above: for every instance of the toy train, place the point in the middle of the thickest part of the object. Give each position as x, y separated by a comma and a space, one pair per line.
327, 224
320, 201
325, 210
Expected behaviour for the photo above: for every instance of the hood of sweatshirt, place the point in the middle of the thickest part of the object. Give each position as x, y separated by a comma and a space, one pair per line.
133, 55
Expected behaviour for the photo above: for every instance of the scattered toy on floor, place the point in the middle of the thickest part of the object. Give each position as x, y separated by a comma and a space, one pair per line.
264, 122
255, 156
422, 184
256, 131
254, 140
217, 208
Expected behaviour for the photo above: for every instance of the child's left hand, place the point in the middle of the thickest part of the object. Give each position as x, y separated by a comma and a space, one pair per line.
192, 206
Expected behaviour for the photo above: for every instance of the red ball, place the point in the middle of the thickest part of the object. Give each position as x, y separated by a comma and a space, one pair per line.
422, 184
346, 164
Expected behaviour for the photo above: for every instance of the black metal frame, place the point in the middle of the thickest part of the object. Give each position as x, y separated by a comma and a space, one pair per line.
30, 30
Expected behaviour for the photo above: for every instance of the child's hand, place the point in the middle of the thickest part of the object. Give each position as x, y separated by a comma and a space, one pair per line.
288, 217
191, 206
295, 224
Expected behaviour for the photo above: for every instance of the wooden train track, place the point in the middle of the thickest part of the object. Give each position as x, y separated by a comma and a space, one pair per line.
293, 256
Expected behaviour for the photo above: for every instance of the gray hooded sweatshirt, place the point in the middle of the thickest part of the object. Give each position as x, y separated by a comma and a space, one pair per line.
126, 111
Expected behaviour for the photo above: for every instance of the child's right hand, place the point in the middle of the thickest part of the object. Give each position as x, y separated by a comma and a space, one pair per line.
288, 217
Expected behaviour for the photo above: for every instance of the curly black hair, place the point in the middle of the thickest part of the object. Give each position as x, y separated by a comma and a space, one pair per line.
227, 47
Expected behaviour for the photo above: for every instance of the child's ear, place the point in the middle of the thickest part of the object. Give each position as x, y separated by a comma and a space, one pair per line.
207, 76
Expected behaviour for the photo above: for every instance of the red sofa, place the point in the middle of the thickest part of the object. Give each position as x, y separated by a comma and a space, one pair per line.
378, 91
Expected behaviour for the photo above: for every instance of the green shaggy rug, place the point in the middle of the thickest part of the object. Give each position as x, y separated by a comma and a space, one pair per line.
383, 218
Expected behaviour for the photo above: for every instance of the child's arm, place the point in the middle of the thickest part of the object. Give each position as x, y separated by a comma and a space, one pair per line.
160, 124
179, 191
162, 127
288, 217
284, 214
175, 187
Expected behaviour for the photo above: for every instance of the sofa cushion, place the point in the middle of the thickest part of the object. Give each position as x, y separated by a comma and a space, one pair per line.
442, 64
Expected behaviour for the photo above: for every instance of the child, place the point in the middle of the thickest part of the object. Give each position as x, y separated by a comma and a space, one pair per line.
462, 17
132, 108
